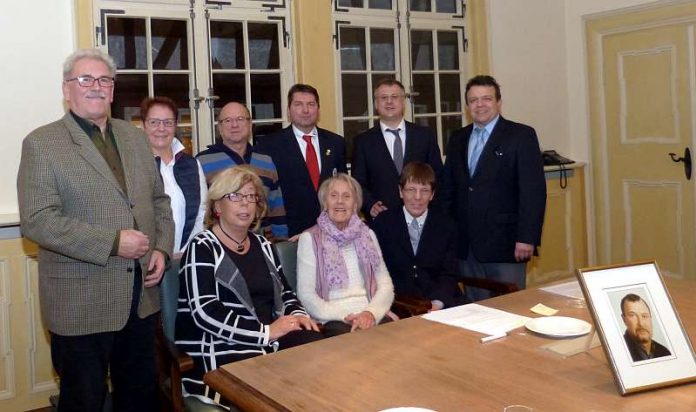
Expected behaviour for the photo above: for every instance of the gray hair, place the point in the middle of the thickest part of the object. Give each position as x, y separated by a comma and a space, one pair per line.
94, 54
340, 177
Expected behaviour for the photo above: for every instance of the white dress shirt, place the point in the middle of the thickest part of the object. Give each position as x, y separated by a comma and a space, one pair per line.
389, 136
303, 145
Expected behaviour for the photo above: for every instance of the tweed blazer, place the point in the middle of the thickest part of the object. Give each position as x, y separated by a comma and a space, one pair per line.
72, 206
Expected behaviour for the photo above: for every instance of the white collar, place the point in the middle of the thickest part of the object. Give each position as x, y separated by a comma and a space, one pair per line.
420, 219
400, 127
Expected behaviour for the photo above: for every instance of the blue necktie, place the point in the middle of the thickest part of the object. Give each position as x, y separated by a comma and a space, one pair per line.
479, 140
414, 234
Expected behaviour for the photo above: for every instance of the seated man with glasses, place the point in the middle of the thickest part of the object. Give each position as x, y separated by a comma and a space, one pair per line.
419, 243
381, 152
234, 125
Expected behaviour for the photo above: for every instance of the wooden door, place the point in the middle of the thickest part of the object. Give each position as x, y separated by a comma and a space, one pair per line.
642, 79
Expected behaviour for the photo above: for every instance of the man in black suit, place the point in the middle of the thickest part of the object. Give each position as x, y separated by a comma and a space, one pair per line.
493, 184
419, 243
381, 153
304, 155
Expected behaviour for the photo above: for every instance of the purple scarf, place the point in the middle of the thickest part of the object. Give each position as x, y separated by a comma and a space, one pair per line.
331, 268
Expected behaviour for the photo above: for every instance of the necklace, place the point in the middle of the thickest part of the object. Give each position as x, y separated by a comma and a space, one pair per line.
240, 244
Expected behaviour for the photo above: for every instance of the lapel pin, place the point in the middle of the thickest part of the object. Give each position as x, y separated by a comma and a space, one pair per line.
328, 152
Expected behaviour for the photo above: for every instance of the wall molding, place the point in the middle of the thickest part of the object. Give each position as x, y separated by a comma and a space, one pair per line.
6, 351
35, 330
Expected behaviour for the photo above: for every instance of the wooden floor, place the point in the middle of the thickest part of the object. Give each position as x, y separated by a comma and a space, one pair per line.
49, 409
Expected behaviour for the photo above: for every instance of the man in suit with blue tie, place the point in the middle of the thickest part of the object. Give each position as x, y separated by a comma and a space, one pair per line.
493, 184
381, 153
419, 243
304, 155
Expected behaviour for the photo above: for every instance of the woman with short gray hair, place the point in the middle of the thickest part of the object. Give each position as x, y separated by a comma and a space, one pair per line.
341, 276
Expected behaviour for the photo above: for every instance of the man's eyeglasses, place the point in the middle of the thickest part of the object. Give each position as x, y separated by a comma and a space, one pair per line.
155, 123
387, 97
239, 119
411, 191
88, 81
237, 197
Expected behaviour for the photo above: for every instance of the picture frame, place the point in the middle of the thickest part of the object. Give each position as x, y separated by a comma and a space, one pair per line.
641, 333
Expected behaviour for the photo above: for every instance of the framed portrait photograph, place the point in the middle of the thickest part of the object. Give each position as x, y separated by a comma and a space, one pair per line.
641, 332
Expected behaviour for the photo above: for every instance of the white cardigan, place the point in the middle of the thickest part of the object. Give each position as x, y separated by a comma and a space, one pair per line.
342, 302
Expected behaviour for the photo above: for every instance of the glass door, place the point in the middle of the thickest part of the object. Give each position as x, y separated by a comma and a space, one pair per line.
419, 42
202, 54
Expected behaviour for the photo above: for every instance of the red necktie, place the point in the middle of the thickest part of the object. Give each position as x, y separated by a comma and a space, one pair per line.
312, 162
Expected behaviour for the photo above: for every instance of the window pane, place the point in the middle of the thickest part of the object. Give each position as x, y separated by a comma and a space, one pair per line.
263, 46
446, 6
230, 87
354, 92
421, 50
380, 4
419, 5
424, 85
265, 96
450, 98
129, 91
350, 3
226, 45
185, 136
352, 128
263, 129
169, 45
174, 86
378, 77
127, 42
352, 48
382, 49
449, 125
447, 50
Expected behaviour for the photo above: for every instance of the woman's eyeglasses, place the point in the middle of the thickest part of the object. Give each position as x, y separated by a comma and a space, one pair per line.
237, 197
155, 123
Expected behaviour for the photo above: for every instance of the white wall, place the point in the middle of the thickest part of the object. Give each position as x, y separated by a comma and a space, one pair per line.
35, 38
578, 105
528, 58
538, 56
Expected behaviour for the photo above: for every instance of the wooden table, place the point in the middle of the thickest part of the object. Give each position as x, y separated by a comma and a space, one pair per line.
415, 362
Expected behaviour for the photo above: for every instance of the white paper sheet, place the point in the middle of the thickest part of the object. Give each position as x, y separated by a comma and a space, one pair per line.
478, 318
569, 289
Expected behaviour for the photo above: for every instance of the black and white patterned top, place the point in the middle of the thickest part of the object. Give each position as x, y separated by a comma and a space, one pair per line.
216, 322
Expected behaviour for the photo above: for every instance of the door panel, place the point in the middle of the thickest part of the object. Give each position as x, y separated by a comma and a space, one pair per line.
642, 110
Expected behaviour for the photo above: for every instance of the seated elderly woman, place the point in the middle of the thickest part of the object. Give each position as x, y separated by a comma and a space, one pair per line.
341, 276
234, 301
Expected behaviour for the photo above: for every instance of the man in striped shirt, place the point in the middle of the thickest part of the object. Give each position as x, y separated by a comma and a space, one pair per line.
234, 125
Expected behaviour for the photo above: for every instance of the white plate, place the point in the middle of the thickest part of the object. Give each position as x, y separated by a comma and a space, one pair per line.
559, 326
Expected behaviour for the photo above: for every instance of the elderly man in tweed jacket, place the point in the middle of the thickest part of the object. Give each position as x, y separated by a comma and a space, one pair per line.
90, 196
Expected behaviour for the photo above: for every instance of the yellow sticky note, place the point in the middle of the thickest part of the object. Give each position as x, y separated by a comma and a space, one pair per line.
544, 310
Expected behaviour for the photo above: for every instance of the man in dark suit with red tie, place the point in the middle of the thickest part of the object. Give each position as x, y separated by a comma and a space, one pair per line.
493, 184
419, 243
381, 152
304, 155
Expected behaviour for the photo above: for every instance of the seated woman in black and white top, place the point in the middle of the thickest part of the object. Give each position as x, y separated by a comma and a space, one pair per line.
234, 301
